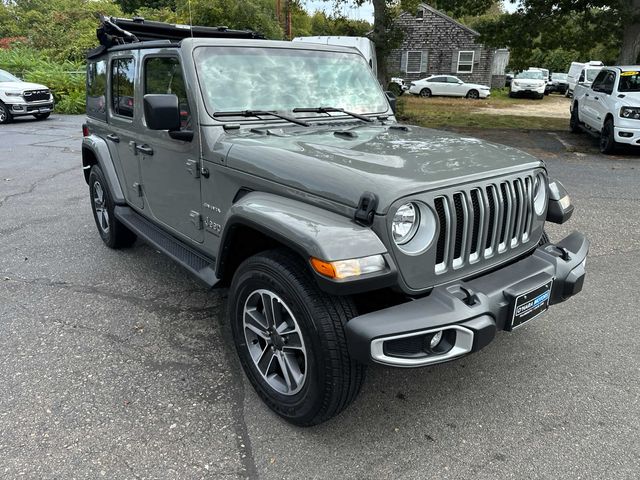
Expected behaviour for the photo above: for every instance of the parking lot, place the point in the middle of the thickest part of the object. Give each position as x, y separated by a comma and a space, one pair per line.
117, 364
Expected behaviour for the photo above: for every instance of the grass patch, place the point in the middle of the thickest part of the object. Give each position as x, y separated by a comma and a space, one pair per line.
442, 112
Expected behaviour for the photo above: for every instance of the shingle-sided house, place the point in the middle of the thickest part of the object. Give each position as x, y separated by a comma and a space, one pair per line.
436, 44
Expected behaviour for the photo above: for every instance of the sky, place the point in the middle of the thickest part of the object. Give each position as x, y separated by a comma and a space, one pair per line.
364, 12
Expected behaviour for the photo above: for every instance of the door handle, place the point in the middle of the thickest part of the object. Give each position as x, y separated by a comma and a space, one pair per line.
596, 98
113, 138
145, 149
586, 94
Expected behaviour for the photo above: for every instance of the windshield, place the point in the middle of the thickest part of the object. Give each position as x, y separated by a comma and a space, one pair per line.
558, 76
245, 78
629, 82
531, 75
7, 77
591, 75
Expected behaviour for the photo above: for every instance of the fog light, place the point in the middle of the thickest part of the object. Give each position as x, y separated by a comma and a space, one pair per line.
435, 340
626, 134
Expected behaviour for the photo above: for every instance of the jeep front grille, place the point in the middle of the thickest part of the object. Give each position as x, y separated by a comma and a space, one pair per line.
481, 222
36, 95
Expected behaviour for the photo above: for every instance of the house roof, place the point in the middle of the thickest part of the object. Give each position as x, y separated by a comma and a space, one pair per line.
447, 17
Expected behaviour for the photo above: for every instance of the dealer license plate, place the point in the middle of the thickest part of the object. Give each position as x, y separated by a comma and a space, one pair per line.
530, 305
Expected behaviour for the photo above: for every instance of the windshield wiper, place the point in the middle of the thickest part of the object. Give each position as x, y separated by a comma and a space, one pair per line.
259, 113
332, 109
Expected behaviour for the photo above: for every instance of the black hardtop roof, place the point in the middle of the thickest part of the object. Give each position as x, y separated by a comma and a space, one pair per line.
124, 34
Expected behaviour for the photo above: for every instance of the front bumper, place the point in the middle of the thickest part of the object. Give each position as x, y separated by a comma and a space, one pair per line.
30, 108
472, 310
530, 90
630, 136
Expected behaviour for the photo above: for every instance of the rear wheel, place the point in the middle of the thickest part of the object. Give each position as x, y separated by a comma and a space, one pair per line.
425, 92
42, 116
608, 142
473, 94
113, 233
290, 338
5, 114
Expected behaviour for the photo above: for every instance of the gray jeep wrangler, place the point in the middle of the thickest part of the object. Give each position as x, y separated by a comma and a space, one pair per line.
279, 170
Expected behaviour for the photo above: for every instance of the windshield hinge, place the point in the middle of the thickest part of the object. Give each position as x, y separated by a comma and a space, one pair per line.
366, 209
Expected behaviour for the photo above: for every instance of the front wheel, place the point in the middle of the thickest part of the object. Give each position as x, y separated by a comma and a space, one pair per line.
290, 339
473, 94
608, 142
5, 114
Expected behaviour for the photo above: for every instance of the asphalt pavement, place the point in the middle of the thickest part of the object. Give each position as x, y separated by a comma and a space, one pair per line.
117, 364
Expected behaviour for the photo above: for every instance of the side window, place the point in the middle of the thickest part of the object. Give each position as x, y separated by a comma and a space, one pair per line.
452, 80
163, 75
597, 83
122, 90
437, 79
97, 89
607, 83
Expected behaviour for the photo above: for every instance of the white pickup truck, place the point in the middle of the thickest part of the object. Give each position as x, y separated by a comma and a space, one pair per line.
610, 107
18, 98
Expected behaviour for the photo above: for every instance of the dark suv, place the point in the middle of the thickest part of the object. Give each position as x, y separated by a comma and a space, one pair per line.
279, 170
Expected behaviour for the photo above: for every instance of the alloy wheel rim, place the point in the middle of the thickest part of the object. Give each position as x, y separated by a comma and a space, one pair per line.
99, 206
3, 114
274, 342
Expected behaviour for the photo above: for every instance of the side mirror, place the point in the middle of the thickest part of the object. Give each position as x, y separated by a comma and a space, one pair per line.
393, 101
162, 112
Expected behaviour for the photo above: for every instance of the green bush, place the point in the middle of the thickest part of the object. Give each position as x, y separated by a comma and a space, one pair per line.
65, 79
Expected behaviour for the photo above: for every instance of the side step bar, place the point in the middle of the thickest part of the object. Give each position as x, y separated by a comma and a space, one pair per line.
198, 264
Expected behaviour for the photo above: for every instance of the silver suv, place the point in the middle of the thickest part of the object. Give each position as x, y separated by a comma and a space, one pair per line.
279, 170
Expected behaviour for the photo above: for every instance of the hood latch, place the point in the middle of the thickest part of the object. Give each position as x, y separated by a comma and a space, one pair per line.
366, 209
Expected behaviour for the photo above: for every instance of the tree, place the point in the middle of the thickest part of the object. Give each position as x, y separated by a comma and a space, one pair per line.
581, 25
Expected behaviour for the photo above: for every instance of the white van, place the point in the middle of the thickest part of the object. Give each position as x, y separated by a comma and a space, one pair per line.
366, 47
591, 69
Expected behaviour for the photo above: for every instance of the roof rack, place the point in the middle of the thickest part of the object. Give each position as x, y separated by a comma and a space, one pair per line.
120, 31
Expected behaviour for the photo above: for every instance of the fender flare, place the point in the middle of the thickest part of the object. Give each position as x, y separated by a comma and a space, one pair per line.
309, 230
100, 151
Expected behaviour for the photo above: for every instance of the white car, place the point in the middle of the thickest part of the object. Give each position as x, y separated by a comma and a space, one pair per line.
529, 82
609, 107
585, 71
448, 86
19, 98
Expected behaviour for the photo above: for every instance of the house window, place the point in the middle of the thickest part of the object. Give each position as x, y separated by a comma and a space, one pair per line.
414, 62
420, 14
465, 61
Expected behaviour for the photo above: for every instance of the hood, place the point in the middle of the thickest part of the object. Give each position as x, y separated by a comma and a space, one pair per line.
630, 99
341, 164
22, 86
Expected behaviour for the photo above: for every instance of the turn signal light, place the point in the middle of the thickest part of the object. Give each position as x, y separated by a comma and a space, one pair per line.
349, 268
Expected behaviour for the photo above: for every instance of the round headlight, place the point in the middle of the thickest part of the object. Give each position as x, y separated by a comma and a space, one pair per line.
540, 194
405, 223
414, 227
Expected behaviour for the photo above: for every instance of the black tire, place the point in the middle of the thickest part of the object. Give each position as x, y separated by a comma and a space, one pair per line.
425, 92
473, 94
540, 96
544, 239
5, 114
113, 233
608, 144
512, 95
331, 378
42, 116
574, 121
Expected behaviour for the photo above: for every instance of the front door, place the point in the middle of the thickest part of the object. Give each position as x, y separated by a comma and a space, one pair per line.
169, 167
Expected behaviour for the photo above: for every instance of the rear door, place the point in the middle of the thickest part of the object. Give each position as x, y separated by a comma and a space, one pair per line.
122, 123
438, 86
168, 166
